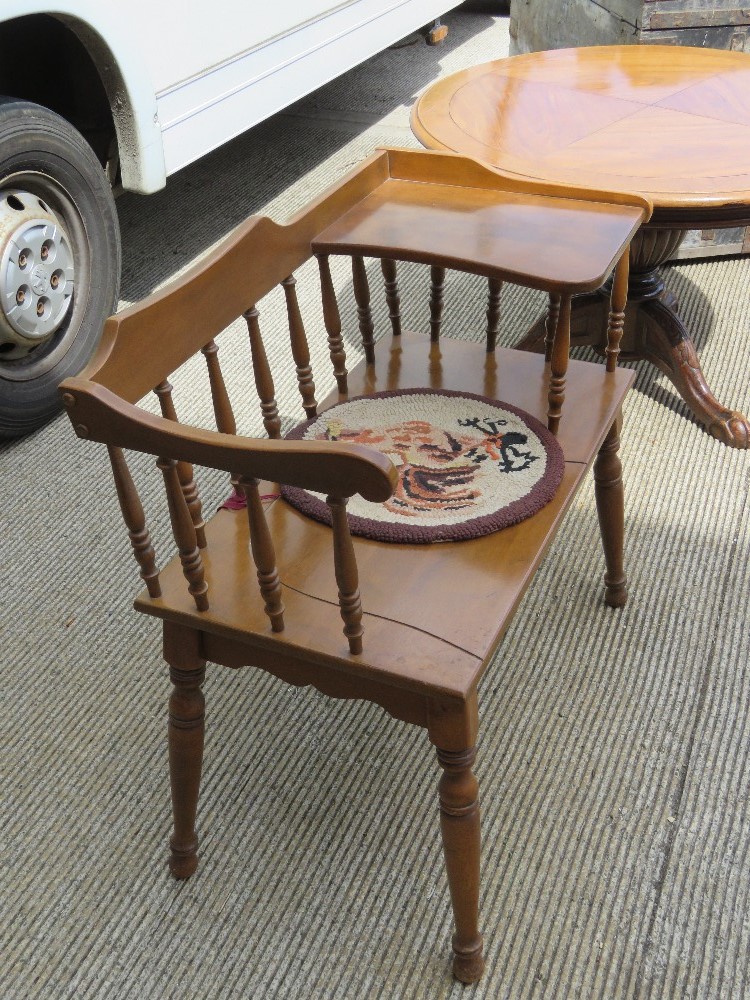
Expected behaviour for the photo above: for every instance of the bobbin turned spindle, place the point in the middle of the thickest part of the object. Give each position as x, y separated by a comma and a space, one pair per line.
262, 374
223, 413
332, 320
392, 297
559, 365
618, 301
135, 521
362, 298
550, 324
264, 556
347, 576
184, 533
300, 347
185, 474
437, 293
494, 290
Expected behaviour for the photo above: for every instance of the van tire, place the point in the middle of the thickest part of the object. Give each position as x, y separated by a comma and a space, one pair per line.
44, 157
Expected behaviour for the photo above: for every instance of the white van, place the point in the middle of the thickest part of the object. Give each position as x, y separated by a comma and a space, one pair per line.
119, 94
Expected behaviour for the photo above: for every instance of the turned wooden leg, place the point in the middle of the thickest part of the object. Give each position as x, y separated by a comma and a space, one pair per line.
610, 505
186, 714
459, 823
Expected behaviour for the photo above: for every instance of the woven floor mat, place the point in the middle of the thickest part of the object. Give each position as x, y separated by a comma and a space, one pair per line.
613, 745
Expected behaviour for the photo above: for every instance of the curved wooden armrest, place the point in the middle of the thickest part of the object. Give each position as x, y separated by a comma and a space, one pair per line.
328, 467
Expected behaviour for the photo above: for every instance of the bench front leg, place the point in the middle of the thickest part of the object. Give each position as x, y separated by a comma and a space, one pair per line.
453, 731
186, 727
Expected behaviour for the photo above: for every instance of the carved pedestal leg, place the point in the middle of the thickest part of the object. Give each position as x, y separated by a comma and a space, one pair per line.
610, 505
459, 823
668, 345
186, 714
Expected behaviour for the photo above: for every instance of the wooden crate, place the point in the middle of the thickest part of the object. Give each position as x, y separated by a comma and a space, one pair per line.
541, 24
717, 24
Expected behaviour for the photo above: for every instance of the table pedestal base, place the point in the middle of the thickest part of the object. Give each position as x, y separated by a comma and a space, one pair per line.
653, 332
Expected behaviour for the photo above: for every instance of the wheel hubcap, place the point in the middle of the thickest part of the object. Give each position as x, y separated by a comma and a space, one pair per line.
36, 273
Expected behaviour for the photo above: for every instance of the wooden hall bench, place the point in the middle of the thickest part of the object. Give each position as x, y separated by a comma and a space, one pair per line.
268, 586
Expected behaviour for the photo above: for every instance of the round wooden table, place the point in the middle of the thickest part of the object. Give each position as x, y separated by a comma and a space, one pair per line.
668, 122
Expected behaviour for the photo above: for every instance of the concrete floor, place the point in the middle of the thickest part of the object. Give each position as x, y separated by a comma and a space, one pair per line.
613, 755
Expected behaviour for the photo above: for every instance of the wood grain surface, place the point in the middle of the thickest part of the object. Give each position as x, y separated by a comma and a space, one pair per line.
269, 587
671, 123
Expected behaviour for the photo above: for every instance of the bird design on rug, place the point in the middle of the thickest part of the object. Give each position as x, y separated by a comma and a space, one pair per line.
437, 468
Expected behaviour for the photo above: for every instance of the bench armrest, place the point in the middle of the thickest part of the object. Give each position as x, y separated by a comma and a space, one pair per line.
328, 467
